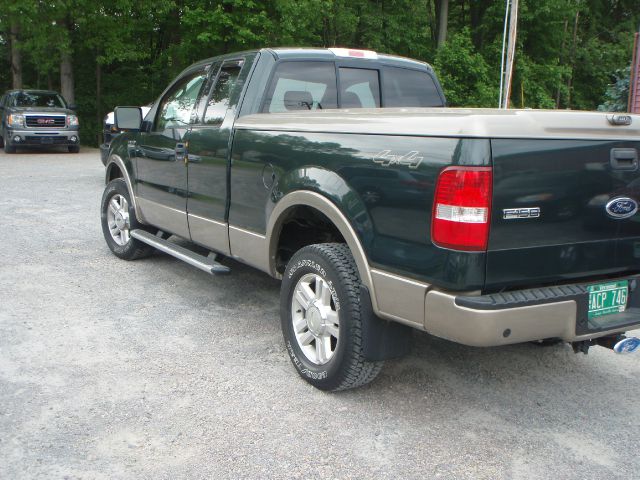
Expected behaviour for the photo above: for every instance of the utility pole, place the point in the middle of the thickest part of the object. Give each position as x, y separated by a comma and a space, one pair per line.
507, 73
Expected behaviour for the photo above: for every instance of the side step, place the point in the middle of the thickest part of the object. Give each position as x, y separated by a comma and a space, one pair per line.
206, 264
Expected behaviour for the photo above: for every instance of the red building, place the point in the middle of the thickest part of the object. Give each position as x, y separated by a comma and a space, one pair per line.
634, 94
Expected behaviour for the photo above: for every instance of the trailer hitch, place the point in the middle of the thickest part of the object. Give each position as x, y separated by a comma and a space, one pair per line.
617, 343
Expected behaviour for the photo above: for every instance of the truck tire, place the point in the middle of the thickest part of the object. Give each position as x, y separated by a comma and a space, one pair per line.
321, 317
74, 149
118, 218
8, 148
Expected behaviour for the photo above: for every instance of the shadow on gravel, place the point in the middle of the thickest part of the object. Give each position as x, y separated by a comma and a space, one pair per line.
522, 384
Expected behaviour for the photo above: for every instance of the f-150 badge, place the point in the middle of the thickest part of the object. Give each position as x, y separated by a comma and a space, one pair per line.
386, 159
513, 213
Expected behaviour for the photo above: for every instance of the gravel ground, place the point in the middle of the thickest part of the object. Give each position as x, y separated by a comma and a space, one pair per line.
153, 369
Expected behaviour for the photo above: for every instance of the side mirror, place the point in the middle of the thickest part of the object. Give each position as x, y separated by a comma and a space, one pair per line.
73, 106
128, 118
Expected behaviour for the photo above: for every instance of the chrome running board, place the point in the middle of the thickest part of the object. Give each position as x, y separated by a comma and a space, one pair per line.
206, 264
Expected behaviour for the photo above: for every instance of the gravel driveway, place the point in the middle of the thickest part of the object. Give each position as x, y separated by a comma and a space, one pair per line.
153, 369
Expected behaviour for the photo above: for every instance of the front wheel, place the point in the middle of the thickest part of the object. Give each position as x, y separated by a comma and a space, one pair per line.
73, 149
118, 218
8, 148
322, 318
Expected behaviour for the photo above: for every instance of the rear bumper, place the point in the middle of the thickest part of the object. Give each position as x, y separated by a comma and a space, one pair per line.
525, 315
501, 319
31, 138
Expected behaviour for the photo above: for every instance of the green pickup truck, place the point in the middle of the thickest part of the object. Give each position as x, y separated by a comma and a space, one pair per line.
342, 173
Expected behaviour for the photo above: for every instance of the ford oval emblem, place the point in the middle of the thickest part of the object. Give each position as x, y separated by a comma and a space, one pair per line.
622, 207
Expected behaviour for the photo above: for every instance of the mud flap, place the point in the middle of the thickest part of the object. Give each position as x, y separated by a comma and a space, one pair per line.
381, 339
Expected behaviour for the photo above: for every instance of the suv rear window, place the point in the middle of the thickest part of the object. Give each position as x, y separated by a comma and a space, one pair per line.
302, 86
402, 87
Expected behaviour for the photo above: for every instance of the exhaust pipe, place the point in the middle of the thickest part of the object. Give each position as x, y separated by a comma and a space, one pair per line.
627, 345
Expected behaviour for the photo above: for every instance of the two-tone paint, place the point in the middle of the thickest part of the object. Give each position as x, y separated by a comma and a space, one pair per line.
372, 174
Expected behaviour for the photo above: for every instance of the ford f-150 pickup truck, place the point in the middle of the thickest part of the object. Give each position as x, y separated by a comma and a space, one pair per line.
342, 173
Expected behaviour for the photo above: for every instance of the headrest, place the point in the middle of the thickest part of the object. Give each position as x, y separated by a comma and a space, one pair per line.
350, 100
298, 100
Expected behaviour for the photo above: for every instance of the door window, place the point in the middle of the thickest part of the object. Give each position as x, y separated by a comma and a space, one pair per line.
402, 87
176, 110
359, 88
302, 86
220, 99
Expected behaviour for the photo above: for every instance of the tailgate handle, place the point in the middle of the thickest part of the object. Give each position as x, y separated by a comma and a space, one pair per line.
624, 159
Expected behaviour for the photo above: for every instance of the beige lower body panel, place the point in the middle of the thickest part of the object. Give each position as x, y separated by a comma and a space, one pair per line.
399, 299
209, 233
164, 218
250, 248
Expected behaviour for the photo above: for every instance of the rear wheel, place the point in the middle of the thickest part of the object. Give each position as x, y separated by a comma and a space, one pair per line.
118, 218
322, 318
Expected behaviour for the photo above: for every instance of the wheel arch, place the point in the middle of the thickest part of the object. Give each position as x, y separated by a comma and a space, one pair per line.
328, 209
116, 168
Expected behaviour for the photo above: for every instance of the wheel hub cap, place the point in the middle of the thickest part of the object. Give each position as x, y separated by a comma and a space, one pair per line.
118, 219
315, 319
121, 221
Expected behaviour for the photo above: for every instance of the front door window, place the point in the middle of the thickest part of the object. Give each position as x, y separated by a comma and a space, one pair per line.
176, 111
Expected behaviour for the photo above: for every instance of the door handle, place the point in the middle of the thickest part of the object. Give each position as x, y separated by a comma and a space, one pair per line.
624, 159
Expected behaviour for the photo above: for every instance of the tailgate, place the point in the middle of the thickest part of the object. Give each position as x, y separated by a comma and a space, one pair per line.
552, 218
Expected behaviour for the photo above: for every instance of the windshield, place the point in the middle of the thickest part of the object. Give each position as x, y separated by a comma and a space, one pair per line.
38, 99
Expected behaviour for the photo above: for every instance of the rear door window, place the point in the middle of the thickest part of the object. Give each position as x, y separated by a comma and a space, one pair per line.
219, 100
402, 87
302, 86
359, 88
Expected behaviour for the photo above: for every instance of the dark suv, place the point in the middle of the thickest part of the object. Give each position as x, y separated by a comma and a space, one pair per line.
37, 118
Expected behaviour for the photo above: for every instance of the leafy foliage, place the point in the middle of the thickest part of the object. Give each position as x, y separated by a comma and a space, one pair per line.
126, 51
616, 97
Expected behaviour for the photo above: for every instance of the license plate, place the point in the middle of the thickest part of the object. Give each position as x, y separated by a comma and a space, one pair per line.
46, 140
607, 298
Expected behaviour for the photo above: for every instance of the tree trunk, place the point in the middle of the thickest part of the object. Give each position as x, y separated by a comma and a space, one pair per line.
443, 20
573, 59
66, 78
99, 96
16, 55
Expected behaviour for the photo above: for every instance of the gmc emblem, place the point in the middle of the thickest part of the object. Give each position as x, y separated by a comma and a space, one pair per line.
46, 121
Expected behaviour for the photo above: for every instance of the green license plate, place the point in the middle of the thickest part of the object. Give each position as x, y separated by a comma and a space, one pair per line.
607, 298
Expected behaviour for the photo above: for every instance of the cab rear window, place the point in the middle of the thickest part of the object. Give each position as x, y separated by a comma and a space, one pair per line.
302, 86
309, 85
359, 88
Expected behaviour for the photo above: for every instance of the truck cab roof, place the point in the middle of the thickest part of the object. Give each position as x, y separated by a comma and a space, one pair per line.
284, 53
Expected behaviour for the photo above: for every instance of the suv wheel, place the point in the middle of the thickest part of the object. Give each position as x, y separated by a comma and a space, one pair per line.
118, 218
321, 317
8, 148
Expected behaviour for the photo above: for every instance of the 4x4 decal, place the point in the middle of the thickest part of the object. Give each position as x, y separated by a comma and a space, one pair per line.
386, 159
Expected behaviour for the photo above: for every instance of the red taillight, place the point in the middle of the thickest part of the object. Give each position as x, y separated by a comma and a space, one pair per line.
461, 208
